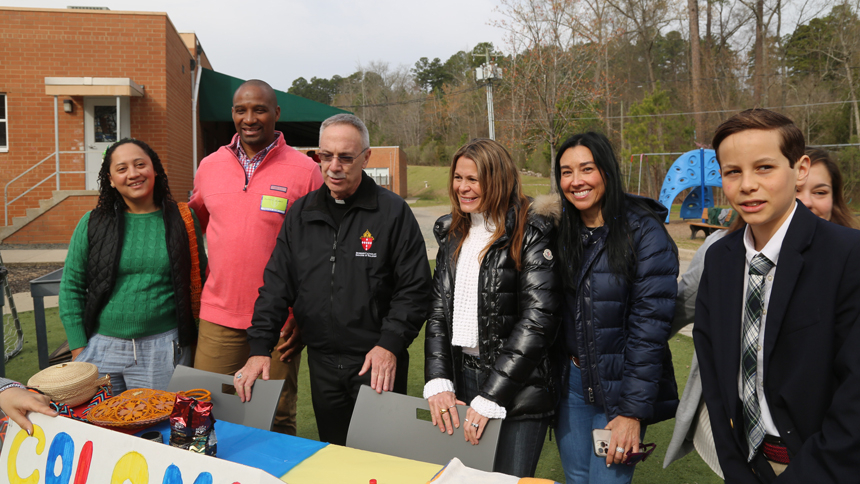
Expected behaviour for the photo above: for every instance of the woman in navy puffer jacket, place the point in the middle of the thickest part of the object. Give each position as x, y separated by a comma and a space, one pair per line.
619, 267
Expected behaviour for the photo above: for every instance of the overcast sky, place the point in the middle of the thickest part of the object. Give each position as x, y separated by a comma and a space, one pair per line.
281, 40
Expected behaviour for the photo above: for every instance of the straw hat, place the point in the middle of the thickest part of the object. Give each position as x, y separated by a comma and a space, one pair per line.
71, 383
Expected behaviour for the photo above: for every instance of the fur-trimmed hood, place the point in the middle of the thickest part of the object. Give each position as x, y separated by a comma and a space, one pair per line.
549, 206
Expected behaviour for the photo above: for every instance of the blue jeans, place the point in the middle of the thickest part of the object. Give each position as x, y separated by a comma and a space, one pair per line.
576, 419
139, 363
520, 441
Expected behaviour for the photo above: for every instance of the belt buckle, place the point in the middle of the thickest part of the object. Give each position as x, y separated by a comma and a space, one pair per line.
575, 360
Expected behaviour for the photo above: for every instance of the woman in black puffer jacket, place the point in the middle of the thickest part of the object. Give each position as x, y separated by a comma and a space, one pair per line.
495, 293
619, 267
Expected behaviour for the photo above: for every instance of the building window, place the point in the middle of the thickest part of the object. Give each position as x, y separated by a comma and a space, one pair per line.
4, 126
379, 175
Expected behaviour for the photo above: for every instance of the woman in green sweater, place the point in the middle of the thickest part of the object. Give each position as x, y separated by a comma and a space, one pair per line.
130, 291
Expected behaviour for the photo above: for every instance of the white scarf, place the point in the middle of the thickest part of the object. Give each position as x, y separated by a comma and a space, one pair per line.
465, 319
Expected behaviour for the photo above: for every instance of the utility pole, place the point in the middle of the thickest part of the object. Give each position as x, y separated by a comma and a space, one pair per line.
488, 72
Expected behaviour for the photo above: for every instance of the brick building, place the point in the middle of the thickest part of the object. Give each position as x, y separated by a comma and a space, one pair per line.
73, 81
86, 65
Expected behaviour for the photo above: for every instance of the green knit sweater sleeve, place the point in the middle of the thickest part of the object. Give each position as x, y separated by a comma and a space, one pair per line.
73, 286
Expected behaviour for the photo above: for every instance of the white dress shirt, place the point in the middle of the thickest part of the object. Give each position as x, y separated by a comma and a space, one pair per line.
771, 251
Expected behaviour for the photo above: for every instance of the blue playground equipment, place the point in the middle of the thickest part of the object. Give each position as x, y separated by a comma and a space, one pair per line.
697, 168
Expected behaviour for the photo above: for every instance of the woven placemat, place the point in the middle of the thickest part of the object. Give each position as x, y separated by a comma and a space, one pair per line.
138, 407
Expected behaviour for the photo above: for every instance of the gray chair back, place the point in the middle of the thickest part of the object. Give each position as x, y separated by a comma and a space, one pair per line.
258, 413
394, 424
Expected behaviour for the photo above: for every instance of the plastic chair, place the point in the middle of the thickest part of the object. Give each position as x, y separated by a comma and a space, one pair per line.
258, 413
390, 423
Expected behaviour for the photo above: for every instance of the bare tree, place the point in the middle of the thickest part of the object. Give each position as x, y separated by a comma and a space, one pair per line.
696, 68
842, 46
758, 73
648, 18
548, 71
593, 21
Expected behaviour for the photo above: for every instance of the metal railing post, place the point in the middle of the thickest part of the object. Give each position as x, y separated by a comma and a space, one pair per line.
56, 143
118, 118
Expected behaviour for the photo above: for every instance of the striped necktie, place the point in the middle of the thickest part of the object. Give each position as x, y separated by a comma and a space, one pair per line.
759, 266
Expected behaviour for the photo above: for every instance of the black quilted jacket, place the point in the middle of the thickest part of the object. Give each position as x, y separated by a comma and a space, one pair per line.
105, 232
516, 314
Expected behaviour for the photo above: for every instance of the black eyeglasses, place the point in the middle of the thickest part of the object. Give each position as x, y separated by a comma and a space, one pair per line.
634, 458
344, 160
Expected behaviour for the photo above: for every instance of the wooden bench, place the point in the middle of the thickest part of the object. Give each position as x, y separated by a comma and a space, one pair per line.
707, 228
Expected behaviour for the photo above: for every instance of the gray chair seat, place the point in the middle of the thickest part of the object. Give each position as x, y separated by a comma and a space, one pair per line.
259, 412
398, 425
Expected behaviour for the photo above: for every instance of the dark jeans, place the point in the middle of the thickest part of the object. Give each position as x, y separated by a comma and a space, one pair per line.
520, 441
334, 389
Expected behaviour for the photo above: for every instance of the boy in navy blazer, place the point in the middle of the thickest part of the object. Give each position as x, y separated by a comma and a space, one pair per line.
776, 332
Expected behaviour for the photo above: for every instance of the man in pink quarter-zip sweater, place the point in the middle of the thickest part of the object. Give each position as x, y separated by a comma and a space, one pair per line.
241, 195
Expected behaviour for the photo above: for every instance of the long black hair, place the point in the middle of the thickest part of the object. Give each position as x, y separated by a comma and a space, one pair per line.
109, 197
612, 206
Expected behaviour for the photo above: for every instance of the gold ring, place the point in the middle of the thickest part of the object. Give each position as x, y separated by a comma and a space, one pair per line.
443, 411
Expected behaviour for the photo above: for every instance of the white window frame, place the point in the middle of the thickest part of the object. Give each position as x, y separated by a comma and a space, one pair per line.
378, 176
5, 121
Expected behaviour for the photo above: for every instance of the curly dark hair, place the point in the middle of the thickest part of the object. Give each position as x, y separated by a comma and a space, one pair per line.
109, 197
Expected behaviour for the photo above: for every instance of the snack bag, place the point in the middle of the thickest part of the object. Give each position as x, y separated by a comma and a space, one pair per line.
192, 426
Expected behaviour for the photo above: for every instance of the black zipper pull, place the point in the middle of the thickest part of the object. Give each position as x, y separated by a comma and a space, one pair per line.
590, 395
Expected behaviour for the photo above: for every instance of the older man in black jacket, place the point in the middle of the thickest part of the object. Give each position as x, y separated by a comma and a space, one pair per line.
351, 262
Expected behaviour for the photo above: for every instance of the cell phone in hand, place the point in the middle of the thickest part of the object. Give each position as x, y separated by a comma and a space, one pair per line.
601, 438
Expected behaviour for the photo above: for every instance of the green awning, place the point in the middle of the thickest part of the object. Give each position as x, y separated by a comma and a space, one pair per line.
216, 101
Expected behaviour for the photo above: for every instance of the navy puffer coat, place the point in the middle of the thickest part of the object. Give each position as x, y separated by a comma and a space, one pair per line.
622, 327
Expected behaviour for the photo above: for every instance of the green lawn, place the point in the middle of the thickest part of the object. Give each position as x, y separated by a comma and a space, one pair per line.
691, 469
430, 185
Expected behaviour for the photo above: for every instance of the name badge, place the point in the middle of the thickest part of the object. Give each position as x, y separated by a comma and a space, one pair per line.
274, 204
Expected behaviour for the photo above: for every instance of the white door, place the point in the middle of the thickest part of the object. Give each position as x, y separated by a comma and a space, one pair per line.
100, 124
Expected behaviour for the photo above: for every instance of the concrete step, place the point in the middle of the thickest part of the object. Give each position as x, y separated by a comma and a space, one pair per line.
12, 257
24, 302
44, 205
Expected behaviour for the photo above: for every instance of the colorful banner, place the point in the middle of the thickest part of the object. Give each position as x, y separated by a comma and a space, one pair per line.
63, 451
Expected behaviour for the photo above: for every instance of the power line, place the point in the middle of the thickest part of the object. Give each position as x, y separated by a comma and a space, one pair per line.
739, 76
719, 111
475, 88
411, 101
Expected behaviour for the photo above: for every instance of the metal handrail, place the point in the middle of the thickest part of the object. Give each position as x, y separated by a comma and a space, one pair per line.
54, 173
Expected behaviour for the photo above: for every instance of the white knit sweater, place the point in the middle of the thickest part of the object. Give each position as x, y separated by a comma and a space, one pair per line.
465, 317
